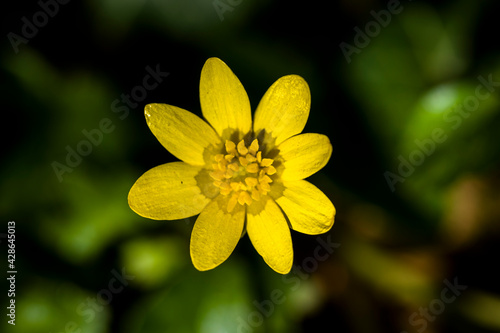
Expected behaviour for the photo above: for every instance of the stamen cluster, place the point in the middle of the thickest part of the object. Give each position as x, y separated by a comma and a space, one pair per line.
242, 173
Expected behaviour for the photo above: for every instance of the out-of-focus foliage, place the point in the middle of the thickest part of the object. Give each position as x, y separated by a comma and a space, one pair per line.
58, 306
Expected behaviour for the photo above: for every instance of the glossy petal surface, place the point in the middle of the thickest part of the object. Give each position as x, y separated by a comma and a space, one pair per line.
284, 108
168, 192
308, 209
224, 101
270, 235
181, 132
216, 233
304, 155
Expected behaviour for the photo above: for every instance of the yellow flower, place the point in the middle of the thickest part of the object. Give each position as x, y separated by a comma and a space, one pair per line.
238, 175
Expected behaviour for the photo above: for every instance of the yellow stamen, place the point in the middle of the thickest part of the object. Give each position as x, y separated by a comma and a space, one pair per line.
217, 175
234, 166
242, 173
250, 158
265, 187
244, 198
252, 168
251, 181
270, 170
241, 148
254, 147
229, 174
225, 191
230, 147
265, 179
222, 166
266, 162
232, 202
255, 194
243, 161
235, 186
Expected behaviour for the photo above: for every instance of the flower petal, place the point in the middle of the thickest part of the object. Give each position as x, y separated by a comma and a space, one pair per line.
168, 192
216, 233
270, 234
308, 209
224, 101
284, 109
304, 155
181, 132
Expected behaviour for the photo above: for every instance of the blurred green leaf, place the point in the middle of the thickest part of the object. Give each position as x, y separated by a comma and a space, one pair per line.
213, 301
386, 81
438, 54
385, 273
115, 18
95, 213
48, 306
73, 102
417, 50
152, 261
482, 308
444, 140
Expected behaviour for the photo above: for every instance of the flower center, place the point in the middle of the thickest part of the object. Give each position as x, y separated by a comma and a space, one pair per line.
242, 173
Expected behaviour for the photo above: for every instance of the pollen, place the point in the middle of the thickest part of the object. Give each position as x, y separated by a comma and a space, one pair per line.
242, 173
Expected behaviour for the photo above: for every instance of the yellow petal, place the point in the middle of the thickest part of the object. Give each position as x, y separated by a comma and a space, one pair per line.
284, 109
168, 192
216, 233
308, 209
304, 154
224, 101
270, 235
181, 132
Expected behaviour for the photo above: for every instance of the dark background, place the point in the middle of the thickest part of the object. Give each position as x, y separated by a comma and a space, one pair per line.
400, 246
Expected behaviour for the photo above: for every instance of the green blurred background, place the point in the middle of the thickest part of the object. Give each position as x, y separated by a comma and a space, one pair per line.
414, 174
